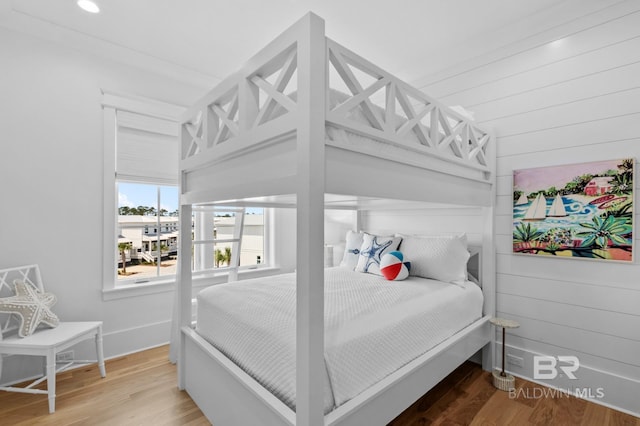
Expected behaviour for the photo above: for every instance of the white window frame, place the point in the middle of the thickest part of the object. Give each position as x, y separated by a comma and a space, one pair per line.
111, 289
111, 103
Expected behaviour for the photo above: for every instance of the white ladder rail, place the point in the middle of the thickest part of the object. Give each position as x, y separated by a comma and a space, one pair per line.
236, 246
236, 241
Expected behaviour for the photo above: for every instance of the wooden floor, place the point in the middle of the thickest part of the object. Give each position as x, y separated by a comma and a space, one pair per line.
140, 389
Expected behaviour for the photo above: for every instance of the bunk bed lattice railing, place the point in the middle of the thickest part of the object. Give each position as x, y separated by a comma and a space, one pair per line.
246, 102
394, 110
258, 104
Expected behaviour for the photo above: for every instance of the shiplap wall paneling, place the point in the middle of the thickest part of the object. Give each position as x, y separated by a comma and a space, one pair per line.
602, 30
568, 94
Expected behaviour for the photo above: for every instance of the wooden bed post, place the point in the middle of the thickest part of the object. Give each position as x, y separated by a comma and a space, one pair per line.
310, 222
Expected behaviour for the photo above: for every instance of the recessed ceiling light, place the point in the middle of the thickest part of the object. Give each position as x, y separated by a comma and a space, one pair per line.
558, 43
89, 6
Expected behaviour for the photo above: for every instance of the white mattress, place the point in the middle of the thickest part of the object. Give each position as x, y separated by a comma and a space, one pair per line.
372, 327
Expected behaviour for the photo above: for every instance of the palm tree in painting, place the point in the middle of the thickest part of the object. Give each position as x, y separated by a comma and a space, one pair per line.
622, 183
600, 231
621, 211
525, 233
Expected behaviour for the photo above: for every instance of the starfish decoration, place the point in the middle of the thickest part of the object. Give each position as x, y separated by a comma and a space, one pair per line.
374, 252
32, 306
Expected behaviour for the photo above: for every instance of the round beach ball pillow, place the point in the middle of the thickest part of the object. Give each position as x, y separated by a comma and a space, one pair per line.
393, 267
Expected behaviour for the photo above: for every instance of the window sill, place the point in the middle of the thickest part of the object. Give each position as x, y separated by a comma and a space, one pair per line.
133, 290
165, 286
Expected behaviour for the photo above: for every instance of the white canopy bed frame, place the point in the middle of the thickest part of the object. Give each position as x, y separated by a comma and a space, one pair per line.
250, 141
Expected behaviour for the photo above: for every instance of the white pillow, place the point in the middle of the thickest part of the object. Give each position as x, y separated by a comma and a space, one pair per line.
439, 257
338, 252
353, 242
372, 250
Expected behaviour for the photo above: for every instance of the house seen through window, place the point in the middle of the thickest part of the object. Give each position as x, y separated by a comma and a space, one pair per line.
147, 244
147, 231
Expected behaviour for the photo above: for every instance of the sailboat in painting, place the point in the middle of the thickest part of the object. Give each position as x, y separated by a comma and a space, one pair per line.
537, 210
522, 200
557, 208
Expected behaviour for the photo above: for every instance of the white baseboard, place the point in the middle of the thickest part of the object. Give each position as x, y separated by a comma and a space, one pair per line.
594, 385
17, 369
136, 339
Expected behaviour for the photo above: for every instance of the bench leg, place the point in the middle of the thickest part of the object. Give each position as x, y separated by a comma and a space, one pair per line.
99, 352
51, 380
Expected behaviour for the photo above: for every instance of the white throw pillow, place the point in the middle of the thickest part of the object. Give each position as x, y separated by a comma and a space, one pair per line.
440, 257
353, 242
372, 250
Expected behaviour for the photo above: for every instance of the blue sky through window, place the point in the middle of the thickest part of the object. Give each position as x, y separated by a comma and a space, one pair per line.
138, 194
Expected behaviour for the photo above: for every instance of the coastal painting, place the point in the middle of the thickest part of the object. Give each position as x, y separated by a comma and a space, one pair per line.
575, 211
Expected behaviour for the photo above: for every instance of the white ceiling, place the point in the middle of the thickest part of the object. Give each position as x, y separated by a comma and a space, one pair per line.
206, 40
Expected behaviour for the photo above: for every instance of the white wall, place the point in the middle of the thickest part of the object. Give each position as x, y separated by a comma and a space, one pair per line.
51, 184
568, 94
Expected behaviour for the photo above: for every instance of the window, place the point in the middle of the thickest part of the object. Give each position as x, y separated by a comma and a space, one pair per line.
141, 226
141, 147
145, 256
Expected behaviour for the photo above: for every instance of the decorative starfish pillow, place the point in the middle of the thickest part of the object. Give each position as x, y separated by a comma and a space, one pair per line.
31, 306
372, 249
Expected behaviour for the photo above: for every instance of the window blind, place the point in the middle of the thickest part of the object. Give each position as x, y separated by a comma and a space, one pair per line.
146, 148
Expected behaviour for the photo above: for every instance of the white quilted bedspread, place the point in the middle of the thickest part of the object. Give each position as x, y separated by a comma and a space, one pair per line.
372, 327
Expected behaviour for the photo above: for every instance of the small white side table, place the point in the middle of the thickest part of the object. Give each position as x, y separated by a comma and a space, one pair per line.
502, 380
